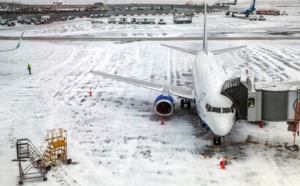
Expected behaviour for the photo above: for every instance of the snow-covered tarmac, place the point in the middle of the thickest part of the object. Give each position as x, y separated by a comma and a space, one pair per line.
114, 138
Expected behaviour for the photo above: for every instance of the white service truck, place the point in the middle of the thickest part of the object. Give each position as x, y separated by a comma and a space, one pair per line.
45, 19
123, 20
256, 17
253, 17
182, 19
161, 22
112, 20
19, 19
143, 20
4, 21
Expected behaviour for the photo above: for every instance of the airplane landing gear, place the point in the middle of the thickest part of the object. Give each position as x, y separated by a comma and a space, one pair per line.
227, 13
233, 15
217, 140
187, 102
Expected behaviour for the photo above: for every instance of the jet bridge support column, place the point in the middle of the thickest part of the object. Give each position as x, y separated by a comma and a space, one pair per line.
294, 126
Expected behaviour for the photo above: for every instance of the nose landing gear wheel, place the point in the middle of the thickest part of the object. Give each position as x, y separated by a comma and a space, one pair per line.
217, 140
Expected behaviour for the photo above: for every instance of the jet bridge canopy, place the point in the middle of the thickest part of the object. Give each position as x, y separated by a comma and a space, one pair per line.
236, 91
267, 102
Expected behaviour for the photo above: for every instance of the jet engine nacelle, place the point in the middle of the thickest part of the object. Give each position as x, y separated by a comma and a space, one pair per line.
164, 105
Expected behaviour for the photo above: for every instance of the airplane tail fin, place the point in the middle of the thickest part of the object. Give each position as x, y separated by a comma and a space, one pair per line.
252, 5
205, 32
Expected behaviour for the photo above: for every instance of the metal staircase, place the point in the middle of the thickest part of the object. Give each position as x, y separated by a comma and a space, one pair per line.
34, 167
55, 148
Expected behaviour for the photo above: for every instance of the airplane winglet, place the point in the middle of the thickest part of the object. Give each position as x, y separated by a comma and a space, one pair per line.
19, 43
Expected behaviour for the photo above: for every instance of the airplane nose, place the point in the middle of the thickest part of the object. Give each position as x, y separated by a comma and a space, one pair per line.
224, 124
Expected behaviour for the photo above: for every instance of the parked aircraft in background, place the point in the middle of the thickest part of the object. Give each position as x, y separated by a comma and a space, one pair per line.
18, 45
216, 111
242, 10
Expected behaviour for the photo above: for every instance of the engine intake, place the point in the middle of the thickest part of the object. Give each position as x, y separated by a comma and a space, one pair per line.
164, 105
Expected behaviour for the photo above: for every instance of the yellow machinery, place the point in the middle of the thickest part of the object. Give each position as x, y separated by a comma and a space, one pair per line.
55, 149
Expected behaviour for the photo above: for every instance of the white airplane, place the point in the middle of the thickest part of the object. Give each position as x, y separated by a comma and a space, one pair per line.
242, 10
18, 45
216, 111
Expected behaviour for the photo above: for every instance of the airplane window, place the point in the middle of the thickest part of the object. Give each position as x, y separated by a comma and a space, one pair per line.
208, 107
227, 110
251, 102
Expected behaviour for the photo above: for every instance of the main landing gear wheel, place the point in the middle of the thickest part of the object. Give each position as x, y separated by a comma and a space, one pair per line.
183, 102
69, 161
217, 140
48, 168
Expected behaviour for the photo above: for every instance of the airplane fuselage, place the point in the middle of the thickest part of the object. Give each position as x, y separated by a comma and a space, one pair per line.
214, 109
243, 10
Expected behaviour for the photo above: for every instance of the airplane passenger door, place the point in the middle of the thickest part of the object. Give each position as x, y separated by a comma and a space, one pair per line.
201, 105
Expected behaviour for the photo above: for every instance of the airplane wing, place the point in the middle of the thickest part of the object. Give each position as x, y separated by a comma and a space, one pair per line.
216, 52
182, 92
18, 45
194, 52
190, 51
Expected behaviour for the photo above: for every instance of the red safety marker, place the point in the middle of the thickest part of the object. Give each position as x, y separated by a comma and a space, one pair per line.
90, 93
223, 165
261, 125
162, 121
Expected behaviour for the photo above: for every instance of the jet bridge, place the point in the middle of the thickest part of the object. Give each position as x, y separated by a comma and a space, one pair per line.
263, 102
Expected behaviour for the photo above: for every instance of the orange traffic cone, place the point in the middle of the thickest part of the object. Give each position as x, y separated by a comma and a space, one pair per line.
90, 93
162, 121
223, 166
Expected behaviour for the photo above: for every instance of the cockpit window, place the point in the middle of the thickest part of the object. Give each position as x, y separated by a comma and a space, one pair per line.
218, 110
208, 107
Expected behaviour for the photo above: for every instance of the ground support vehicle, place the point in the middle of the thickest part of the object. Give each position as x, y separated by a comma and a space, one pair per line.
4, 21
143, 20
123, 20
112, 20
182, 19
261, 18
19, 19
161, 22
11, 23
71, 17
27, 21
253, 17
97, 22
